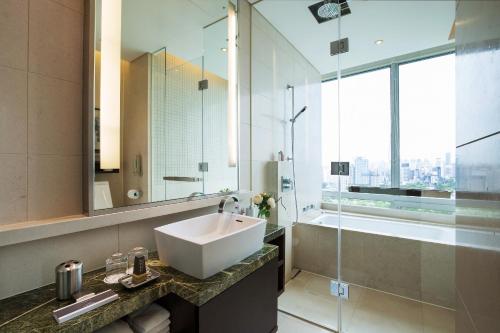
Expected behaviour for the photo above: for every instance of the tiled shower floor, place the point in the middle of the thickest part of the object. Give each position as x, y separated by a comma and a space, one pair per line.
307, 296
290, 324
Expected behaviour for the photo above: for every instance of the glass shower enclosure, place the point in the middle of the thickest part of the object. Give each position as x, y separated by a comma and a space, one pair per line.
393, 161
381, 255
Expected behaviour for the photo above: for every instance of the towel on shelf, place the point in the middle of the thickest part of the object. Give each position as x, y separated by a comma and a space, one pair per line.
161, 328
118, 326
148, 308
148, 318
164, 329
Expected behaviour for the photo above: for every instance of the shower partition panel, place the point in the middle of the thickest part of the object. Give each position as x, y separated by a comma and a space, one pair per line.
335, 170
394, 119
338, 47
176, 127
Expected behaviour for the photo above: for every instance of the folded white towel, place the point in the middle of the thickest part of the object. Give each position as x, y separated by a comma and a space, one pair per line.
162, 328
118, 326
145, 308
165, 329
144, 320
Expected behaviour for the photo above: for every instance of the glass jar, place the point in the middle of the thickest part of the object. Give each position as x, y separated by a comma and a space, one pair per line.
116, 268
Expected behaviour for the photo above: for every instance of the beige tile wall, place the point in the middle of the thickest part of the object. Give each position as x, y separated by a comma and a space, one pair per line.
135, 126
41, 109
418, 270
275, 63
267, 63
30, 265
14, 33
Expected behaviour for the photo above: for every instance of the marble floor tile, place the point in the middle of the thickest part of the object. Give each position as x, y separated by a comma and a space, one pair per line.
438, 319
367, 310
308, 296
382, 312
289, 324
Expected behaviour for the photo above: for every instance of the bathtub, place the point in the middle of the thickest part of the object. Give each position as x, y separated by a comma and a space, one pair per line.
485, 239
388, 227
414, 260
403, 257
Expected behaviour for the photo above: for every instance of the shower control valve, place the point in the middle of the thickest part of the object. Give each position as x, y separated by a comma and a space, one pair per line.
286, 184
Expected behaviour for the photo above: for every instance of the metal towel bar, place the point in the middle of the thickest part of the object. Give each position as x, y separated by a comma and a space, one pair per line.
183, 179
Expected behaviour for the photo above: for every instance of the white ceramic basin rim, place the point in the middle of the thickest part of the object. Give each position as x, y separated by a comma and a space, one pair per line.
210, 228
206, 245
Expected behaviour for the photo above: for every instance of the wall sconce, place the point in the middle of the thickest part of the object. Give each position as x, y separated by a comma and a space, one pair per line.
232, 110
111, 17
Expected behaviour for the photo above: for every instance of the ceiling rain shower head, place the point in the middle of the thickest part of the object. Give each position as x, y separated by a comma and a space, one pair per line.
327, 10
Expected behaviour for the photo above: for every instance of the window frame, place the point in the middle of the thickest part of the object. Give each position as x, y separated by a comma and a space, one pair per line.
393, 64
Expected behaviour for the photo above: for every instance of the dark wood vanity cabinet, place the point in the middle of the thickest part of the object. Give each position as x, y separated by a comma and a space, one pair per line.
280, 243
249, 306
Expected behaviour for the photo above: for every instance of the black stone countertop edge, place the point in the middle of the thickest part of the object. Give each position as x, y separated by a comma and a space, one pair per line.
42, 302
273, 231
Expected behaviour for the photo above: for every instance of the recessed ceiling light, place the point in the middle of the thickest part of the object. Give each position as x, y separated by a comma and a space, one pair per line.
379, 42
223, 49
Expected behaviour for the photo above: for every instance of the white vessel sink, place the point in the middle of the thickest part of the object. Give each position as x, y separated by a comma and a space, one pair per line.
205, 245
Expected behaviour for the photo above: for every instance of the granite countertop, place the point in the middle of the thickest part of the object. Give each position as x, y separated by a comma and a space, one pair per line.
273, 231
32, 311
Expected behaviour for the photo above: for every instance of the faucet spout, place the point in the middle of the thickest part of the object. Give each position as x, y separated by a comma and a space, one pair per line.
224, 201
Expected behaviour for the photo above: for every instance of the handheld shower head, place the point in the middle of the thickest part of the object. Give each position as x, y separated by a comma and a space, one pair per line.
298, 114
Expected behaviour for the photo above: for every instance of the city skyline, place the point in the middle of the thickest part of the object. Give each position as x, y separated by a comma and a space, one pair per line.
421, 173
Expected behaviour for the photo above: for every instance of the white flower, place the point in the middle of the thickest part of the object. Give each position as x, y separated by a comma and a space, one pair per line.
257, 199
271, 202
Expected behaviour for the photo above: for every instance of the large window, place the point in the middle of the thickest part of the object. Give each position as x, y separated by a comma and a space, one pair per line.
365, 131
427, 123
409, 126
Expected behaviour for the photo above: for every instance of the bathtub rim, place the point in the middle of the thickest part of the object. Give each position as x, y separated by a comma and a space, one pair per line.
488, 236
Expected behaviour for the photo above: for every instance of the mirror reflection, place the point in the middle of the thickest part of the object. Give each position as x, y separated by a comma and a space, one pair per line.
165, 100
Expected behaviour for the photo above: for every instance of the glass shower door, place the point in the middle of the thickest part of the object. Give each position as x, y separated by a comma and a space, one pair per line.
394, 117
335, 172
339, 168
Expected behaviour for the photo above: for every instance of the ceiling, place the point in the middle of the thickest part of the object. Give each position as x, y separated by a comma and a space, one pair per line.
177, 25
404, 27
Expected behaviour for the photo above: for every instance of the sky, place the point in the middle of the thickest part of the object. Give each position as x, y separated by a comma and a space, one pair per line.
427, 113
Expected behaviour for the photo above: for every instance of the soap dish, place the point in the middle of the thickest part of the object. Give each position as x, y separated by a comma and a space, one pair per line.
151, 275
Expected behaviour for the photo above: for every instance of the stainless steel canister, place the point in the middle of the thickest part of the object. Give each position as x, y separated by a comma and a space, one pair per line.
68, 278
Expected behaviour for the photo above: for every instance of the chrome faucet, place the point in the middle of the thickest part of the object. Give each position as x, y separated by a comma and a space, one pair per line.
223, 202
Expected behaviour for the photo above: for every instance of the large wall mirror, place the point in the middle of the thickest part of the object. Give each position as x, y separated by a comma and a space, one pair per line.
165, 100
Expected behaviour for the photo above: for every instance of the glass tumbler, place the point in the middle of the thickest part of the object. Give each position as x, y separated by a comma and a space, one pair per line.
116, 268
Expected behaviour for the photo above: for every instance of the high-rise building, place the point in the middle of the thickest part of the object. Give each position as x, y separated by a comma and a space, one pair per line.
361, 171
405, 172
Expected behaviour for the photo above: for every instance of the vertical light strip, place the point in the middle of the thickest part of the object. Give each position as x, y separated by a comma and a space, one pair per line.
232, 118
111, 17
